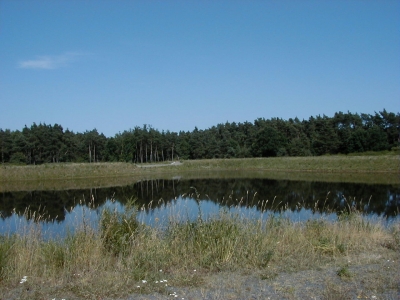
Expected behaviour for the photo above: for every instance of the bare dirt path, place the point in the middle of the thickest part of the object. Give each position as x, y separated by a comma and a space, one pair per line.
174, 163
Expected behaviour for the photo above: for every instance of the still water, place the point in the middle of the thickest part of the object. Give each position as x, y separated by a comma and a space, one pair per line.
161, 199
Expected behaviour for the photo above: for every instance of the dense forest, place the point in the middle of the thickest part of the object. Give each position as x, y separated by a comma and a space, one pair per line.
343, 133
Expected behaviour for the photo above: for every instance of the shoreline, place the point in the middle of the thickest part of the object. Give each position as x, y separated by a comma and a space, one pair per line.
356, 169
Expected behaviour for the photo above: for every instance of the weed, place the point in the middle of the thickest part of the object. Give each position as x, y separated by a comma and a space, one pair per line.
265, 258
268, 274
344, 272
341, 248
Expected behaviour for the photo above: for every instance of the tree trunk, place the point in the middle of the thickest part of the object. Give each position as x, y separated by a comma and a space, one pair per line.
151, 151
141, 152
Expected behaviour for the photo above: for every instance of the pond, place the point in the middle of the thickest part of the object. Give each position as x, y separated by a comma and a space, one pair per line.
182, 198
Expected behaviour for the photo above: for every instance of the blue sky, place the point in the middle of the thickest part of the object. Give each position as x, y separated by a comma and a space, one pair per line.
114, 65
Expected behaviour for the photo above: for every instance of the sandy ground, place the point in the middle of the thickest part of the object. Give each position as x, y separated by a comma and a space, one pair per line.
175, 163
375, 281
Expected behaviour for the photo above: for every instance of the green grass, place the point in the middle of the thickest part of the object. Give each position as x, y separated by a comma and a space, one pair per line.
344, 272
113, 261
341, 167
334, 163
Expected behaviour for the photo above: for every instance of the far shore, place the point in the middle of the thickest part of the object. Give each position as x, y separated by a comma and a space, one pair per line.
384, 169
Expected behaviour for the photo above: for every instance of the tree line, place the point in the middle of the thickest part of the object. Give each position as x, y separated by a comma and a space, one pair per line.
343, 133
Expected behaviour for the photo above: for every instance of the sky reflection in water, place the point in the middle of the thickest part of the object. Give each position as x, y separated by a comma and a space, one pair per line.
176, 199
180, 210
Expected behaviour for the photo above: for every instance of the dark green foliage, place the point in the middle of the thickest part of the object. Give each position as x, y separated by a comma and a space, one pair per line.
18, 158
343, 133
324, 139
377, 139
269, 142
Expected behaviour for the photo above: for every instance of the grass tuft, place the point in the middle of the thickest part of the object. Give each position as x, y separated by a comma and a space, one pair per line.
344, 272
118, 229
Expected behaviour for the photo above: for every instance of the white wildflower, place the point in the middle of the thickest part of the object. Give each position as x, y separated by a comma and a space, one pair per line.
25, 278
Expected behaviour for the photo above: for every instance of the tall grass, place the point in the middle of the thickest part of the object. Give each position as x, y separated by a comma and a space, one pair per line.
124, 256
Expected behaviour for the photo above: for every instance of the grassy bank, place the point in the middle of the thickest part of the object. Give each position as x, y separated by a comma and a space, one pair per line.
125, 258
125, 180
388, 164
334, 164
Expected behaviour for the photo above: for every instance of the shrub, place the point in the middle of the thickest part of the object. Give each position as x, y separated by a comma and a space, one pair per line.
18, 158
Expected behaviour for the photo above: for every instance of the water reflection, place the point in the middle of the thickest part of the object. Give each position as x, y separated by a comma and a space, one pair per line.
162, 198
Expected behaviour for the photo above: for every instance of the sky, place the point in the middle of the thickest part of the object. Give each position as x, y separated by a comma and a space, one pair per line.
177, 65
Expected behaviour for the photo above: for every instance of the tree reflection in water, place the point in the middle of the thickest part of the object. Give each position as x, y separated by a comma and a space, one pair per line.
160, 198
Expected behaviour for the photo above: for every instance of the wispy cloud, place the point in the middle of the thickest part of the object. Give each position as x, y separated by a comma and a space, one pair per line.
49, 62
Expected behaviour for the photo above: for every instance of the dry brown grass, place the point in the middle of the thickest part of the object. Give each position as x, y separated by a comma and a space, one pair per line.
83, 266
